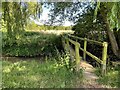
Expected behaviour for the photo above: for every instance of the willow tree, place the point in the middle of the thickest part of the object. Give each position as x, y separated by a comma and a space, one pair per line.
16, 14
110, 12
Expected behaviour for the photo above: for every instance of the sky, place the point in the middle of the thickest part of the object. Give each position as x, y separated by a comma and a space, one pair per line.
44, 17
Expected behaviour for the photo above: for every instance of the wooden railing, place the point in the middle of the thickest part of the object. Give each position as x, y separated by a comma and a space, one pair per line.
66, 40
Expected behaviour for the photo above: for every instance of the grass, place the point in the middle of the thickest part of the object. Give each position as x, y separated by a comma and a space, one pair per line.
35, 74
53, 72
112, 77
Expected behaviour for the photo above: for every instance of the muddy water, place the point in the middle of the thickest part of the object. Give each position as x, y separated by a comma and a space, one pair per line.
15, 59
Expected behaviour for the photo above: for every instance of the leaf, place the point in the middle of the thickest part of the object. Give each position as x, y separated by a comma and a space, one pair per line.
96, 10
62, 85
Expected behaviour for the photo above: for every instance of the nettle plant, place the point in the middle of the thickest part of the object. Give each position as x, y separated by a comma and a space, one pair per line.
64, 60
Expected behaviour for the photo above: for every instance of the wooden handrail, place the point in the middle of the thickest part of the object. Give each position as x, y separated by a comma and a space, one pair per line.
91, 55
99, 43
77, 47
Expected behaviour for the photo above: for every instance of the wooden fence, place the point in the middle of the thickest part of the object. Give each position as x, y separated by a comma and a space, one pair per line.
66, 40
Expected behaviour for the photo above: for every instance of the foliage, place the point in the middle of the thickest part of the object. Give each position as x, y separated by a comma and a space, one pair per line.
15, 16
112, 77
65, 61
33, 26
111, 10
32, 44
85, 26
117, 34
61, 11
34, 74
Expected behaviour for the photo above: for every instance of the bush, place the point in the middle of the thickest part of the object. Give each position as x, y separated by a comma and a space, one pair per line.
31, 44
112, 77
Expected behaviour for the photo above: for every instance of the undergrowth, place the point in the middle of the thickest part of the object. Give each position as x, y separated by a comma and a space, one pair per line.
31, 44
52, 73
112, 77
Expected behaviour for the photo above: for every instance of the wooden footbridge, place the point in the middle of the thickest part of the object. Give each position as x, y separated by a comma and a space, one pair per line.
76, 56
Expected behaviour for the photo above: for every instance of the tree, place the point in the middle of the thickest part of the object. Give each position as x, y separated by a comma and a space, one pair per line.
16, 14
110, 12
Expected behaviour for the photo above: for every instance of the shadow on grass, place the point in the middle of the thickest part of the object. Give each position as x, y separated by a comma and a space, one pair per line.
32, 74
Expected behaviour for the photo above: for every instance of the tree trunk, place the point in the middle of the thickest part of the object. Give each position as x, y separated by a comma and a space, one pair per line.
112, 39
111, 35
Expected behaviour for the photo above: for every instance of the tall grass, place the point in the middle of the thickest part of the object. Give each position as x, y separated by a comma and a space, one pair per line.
52, 73
112, 77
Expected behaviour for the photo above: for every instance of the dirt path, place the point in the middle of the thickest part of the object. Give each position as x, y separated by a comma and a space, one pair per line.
90, 77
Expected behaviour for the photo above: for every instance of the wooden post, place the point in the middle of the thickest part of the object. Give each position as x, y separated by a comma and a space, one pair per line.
85, 47
104, 57
77, 46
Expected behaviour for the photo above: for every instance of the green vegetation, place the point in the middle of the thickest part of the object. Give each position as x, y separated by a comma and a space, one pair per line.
50, 73
16, 16
32, 26
22, 37
112, 77
106, 14
31, 44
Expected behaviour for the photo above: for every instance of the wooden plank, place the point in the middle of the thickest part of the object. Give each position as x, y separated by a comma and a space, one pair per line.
76, 37
73, 42
91, 55
104, 57
85, 47
115, 62
72, 54
99, 43
64, 44
77, 55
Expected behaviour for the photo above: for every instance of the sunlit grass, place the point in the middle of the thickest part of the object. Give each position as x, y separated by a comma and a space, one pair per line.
112, 77
33, 74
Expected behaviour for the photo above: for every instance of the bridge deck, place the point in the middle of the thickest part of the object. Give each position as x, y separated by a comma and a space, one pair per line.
89, 76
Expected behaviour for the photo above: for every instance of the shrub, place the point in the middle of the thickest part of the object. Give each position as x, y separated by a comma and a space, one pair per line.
112, 78
31, 44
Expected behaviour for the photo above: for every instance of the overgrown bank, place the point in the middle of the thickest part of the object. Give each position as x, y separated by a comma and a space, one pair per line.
31, 44
112, 77
52, 73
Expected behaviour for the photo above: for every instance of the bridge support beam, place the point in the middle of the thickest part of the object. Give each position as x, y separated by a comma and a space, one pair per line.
104, 57
77, 56
85, 47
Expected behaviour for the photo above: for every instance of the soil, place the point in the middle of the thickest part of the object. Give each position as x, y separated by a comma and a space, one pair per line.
90, 77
